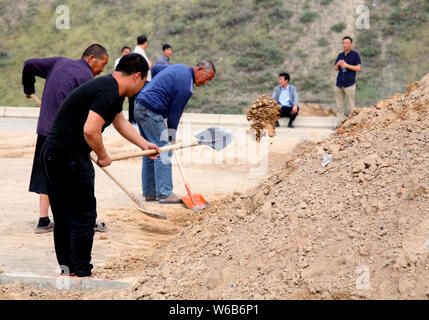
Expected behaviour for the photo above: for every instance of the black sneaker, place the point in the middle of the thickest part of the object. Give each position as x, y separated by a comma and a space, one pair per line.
290, 125
45, 229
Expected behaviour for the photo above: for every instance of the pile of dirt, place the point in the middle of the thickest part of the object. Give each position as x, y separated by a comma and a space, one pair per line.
264, 111
356, 228
314, 110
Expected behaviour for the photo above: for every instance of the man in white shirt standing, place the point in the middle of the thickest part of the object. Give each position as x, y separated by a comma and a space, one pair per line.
125, 50
142, 44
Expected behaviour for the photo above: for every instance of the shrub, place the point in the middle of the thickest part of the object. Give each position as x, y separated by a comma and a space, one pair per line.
308, 16
322, 42
325, 2
175, 28
370, 51
339, 27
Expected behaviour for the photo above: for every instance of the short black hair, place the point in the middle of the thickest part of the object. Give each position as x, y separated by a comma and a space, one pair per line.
166, 46
132, 63
207, 65
141, 39
96, 50
347, 37
285, 75
123, 48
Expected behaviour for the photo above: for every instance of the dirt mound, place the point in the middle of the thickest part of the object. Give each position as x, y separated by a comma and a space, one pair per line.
264, 112
356, 228
314, 110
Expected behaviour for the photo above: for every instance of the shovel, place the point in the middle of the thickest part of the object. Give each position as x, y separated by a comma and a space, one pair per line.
133, 198
192, 201
215, 138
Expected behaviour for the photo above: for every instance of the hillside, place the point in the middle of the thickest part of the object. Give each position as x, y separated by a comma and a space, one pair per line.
250, 41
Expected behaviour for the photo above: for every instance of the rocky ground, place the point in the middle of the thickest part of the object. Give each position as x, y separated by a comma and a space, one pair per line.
353, 228
357, 228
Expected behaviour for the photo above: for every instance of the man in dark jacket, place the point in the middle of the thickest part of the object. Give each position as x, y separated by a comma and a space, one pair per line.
62, 76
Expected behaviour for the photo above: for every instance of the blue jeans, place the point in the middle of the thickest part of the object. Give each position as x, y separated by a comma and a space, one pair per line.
157, 177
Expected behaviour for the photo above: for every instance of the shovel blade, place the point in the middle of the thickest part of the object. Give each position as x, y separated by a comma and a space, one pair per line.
216, 138
197, 202
150, 213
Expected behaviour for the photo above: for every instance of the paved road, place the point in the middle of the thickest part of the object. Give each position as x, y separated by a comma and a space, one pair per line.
23, 251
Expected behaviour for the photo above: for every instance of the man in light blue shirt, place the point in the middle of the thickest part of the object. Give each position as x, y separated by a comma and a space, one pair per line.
287, 97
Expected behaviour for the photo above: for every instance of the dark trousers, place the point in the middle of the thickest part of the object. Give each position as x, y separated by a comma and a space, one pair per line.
131, 101
37, 180
287, 112
70, 179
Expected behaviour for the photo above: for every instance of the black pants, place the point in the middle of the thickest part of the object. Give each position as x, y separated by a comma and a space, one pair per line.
70, 179
38, 180
287, 112
131, 101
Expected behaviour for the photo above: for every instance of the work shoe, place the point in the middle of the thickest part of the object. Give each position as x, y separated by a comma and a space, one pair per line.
100, 227
45, 229
171, 199
92, 276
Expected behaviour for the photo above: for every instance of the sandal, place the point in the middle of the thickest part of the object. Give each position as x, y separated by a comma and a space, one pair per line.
100, 227
171, 199
149, 199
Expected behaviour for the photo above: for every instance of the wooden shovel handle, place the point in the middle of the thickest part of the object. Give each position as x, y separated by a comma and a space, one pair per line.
152, 151
34, 97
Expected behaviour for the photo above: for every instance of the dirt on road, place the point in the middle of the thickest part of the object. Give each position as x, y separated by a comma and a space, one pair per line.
357, 228
354, 228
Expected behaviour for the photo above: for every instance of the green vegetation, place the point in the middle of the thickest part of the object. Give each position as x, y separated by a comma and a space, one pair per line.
308, 16
323, 42
339, 27
389, 70
250, 41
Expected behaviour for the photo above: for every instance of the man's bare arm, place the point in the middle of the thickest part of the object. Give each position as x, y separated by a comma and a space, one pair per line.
92, 133
353, 68
125, 129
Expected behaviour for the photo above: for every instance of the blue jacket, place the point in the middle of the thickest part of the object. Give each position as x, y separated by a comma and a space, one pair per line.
292, 93
168, 92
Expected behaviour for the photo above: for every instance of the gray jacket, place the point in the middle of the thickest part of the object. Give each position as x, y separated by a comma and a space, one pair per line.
292, 91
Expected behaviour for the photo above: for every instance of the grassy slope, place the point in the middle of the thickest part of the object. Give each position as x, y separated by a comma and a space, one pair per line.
250, 41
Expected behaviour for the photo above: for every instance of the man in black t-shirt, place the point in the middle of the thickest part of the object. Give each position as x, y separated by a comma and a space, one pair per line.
77, 129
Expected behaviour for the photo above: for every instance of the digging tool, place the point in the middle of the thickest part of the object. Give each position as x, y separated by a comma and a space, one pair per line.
133, 198
192, 200
34, 97
215, 138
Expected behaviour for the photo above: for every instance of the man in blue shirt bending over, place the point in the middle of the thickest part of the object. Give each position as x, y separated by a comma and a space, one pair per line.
165, 97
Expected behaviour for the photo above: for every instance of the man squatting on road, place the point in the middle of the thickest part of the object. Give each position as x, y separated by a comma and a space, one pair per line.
65, 155
62, 76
